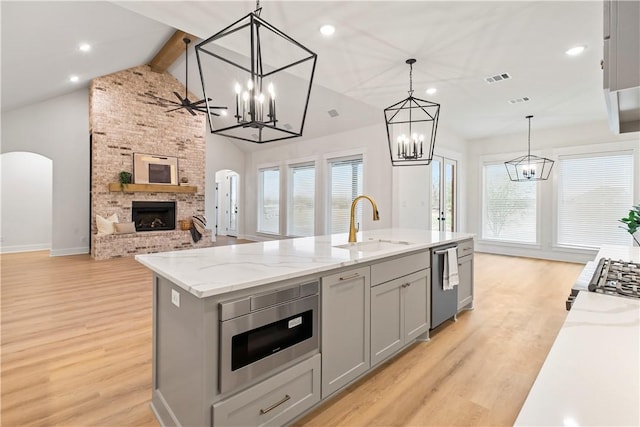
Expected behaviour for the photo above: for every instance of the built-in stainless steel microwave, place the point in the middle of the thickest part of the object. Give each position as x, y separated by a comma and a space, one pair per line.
262, 332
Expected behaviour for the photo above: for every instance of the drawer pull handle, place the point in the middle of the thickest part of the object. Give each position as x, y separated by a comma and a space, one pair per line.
466, 249
353, 276
275, 405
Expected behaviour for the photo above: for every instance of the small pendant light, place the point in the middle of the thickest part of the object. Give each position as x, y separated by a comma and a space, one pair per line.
529, 167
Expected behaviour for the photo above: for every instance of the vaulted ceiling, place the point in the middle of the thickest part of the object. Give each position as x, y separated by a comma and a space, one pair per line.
361, 68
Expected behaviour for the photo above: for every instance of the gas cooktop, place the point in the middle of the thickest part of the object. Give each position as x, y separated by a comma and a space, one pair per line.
620, 278
613, 277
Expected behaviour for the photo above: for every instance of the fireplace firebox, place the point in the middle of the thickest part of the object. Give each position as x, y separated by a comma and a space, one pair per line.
154, 216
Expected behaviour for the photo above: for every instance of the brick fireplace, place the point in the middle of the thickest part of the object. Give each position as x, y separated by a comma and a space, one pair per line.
124, 121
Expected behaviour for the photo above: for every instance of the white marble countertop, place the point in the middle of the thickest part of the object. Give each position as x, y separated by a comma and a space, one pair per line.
218, 270
591, 376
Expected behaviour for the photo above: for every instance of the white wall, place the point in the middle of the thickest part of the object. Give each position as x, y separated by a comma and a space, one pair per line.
412, 186
592, 137
221, 154
370, 141
59, 130
381, 180
26, 202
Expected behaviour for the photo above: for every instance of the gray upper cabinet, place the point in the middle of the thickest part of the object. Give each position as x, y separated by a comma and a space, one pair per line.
345, 328
399, 313
621, 64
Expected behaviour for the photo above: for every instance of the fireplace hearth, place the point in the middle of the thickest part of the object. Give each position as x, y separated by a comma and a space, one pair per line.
154, 216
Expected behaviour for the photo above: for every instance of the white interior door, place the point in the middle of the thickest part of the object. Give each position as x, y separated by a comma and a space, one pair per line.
444, 181
232, 205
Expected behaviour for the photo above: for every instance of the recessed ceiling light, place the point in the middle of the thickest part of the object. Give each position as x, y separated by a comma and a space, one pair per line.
74, 79
431, 90
327, 30
84, 47
574, 51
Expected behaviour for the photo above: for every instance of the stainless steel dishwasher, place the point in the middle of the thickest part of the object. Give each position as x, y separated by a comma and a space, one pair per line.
444, 304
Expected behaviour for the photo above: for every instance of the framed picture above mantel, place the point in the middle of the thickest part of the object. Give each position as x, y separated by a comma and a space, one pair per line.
155, 169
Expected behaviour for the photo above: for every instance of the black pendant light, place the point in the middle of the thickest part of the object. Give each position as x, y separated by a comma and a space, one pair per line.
186, 103
245, 65
411, 128
529, 167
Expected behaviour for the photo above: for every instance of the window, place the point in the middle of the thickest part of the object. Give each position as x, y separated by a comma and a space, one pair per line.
594, 191
269, 201
509, 208
302, 186
345, 184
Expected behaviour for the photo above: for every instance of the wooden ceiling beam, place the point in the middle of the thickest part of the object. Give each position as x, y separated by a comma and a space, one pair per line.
172, 49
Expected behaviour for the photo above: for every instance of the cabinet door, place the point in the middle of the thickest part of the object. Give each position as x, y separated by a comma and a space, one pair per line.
386, 320
345, 328
416, 320
465, 287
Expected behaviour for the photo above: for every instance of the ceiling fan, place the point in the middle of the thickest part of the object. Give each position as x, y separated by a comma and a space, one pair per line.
186, 103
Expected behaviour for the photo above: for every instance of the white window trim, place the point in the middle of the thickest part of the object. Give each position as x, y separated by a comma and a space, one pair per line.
335, 157
497, 159
260, 168
308, 161
592, 150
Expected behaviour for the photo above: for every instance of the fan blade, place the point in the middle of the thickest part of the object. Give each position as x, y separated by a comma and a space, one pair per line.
174, 109
199, 102
191, 111
178, 96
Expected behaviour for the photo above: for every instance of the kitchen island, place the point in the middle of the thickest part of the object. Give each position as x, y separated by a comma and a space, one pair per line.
363, 303
591, 376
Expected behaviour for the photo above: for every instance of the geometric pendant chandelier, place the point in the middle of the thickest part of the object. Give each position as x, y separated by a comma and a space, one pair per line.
262, 75
411, 128
529, 167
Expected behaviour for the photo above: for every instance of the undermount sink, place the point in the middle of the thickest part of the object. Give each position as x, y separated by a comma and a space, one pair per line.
371, 245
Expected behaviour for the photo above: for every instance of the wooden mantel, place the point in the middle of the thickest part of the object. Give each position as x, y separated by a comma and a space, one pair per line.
152, 188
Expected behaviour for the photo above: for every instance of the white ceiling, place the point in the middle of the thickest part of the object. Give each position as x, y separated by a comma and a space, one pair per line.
361, 68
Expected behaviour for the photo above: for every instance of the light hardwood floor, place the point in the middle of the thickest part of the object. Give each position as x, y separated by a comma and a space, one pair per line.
76, 348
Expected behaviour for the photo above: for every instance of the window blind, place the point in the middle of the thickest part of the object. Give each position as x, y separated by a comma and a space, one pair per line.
345, 184
594, 192
509, 208
302, 190
269, 201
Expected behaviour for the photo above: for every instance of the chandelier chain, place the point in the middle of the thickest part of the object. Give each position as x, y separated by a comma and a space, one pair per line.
410, 79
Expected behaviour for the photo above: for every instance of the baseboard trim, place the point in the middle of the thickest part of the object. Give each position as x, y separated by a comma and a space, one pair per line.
70, 251
25, 248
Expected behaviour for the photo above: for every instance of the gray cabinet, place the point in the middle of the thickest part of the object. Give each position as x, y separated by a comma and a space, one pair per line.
274, 401
345, 328
465, 274
620, 64
465, 287
399, 313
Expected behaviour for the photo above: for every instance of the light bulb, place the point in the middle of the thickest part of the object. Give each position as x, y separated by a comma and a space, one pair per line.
260, 98
245, 96
272, 91
421, 138
238, 88
250, 84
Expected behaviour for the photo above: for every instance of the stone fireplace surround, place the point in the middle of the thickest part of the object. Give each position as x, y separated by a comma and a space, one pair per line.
124, 121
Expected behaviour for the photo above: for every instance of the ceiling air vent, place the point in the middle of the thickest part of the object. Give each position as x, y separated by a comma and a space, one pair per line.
519, 100
333, 113
497, 78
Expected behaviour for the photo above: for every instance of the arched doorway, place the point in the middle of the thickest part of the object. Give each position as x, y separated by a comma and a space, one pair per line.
227, 199
27, 197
